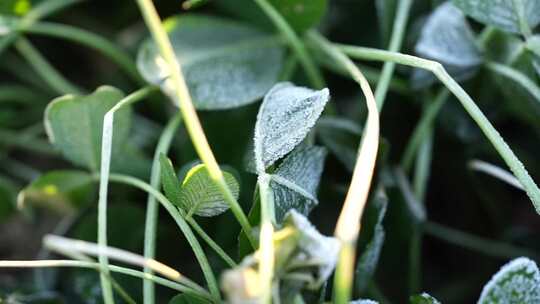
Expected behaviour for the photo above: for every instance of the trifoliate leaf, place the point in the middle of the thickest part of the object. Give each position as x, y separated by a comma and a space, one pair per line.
197, 194
226, 64
200, 195
341, 137
516, 282
370, 257
423, 298
74, 125
447, 38
504, 14
57, 190
285, 117
295, 181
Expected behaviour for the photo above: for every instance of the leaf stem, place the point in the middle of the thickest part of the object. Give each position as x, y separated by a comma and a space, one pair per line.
222, 254
182, 224
44, 68
266, 262
123, 270
476, 114
90, 40
398, 30
189, 114
295, 43
150, 227
348, 225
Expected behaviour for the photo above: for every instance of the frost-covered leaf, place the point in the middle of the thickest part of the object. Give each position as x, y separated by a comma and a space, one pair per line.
341, 137
370, 257
74, 125
504, 14
516, 282
423, 298
363, 301
226, 64
295, 181
285, 117
299, 14
187, 299
57, 190
446, 37
201, 196
197, 194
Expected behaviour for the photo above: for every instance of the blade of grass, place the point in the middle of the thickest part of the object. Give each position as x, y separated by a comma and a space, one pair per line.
398, 31
495, 172
220, 252
348, 225
476, 114
106, 150
189, 114
87, 39
58, 82
295, 43
151, 221
123, 270
182, 224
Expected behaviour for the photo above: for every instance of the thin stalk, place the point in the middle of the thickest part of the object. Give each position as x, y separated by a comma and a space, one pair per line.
295, 43
189, 114
150, 226
476, 114
44, 68
508, 72
182, 224
475, 243
87, 39
495, 172
398, 30
41, 10
288, 68
220, 252
123, 270
348, 225
266, 263
423, 128
106, 150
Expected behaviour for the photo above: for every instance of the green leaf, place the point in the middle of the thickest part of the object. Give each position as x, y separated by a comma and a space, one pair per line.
423, 298
74, 125
285, 117
516, 282
200, 195
300, 14
197, 194
226, 64
61, 190
370, 257
341, 137
187, 299
447, 38
507, 15
296, 180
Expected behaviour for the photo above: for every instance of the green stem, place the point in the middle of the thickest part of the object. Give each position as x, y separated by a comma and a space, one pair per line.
400, 23
150, 227
123, 270
476, 114
508, 72
106, 150
423, 128
42, 10
182, 224
475, 243
189, 114
88, 39
222, 254
295, 43
44, 68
